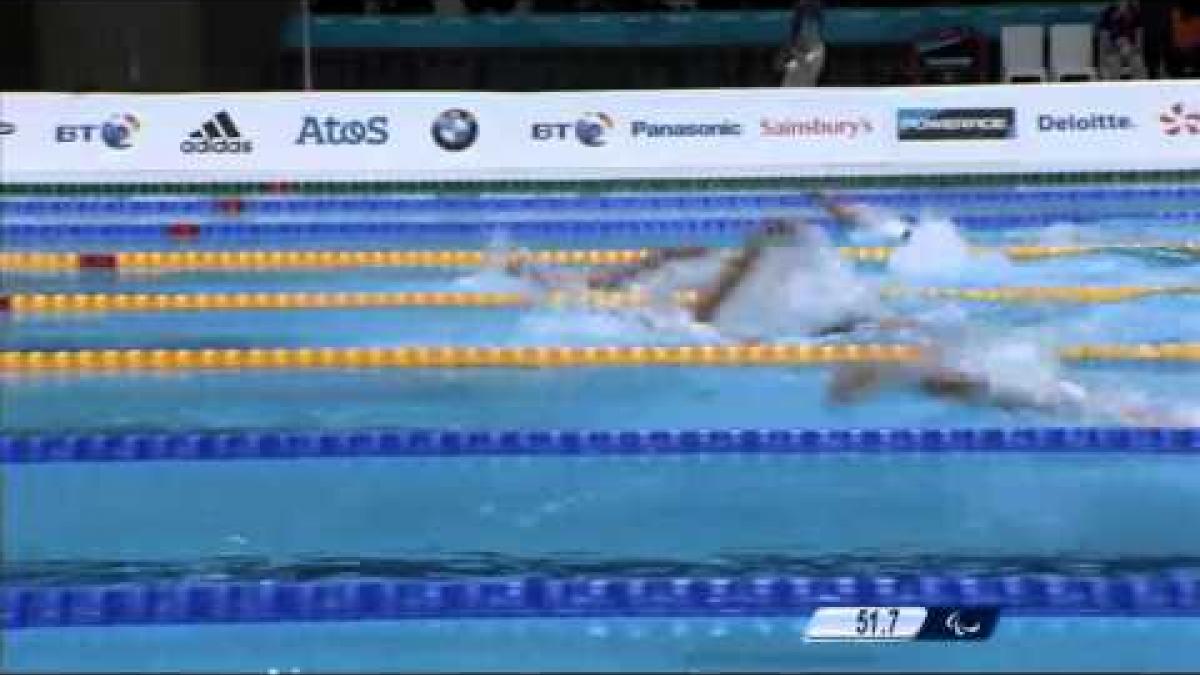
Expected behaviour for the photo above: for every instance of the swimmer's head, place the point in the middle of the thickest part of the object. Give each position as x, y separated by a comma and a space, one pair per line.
781, 231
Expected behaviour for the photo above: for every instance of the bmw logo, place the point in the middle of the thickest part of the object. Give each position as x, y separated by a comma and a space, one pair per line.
455, 130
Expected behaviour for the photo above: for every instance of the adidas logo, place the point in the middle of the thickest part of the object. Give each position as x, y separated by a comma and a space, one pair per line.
219, 135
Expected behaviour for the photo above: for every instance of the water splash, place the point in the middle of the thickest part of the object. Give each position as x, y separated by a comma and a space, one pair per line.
937, 252
879, 225
796, 290
591, 326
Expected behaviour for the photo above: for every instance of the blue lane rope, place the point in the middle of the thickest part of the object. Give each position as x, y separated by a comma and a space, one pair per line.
31, 232
284, 445
198, 602
799, 198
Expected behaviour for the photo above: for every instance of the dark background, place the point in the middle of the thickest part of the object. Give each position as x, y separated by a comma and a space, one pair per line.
231, 45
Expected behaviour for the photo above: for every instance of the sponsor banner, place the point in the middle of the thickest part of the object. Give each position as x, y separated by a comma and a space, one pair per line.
956, 124
448, 136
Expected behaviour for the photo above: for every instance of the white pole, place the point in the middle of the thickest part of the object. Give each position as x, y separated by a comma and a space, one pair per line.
306, 32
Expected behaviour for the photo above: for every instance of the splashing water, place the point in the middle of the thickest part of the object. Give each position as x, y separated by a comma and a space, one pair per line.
937, 252
582, 326
796, 290
1016, 364
880, 225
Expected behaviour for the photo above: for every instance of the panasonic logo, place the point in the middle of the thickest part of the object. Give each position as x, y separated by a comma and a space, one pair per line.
649, 130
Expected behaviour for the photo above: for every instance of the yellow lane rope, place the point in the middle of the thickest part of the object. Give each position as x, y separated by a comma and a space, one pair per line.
162, 302
526, 357
1073, 294
240, 260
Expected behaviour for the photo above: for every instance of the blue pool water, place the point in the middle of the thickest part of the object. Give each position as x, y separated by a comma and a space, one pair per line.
82, 522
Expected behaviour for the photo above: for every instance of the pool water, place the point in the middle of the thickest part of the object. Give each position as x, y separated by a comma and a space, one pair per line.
82, 522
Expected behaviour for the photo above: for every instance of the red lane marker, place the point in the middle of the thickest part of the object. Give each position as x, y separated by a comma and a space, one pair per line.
183, 230
230, 206
98, 261
279, 187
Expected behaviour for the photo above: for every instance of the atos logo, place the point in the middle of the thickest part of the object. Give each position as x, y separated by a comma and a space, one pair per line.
334, 131
591, 129
116, 132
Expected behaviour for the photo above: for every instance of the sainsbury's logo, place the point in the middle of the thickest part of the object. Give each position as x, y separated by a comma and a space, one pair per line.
816, 127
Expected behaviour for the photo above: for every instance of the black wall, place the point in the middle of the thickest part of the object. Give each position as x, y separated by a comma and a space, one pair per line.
140, 45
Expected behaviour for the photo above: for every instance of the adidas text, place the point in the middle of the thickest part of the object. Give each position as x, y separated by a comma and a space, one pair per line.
216, 147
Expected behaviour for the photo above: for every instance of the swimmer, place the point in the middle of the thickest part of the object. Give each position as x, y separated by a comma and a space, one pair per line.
854, 382
738, 271
611, 278
862, 219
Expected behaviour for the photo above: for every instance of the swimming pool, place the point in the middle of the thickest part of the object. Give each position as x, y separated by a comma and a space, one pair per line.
274, 467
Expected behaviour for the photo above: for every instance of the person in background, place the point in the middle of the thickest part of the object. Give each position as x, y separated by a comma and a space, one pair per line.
1156, 37
497, 6
804, 56
1120, 42
1185, 38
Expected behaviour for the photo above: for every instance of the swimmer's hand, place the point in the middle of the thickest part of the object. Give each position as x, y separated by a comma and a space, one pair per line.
854, 382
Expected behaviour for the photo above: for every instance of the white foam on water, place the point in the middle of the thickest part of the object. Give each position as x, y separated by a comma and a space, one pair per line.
938, 253
1018, 364
795, 290
641, 326
489, 280
880, 225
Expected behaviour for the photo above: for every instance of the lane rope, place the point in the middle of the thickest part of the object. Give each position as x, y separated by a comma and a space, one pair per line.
100, 360
240, 260
1175, 593
559, 229
706, 200
59, 303
209, 446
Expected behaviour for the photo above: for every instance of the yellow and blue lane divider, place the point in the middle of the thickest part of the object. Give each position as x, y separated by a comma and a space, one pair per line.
192, 602
35, 261
777, 354
60, 303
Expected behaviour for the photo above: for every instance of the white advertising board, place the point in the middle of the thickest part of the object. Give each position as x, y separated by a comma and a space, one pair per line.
683, 133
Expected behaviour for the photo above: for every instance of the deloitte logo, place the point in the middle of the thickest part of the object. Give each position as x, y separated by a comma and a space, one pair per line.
1087, 122
455, 130
218, 136
333, 131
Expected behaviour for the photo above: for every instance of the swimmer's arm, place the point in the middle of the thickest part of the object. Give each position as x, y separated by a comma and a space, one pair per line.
852, 382
613, 277
843, 214
705, 309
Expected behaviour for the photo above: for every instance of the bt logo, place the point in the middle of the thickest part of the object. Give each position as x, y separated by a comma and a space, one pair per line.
333, 131
591, 130
117, 132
